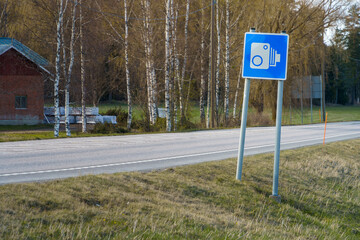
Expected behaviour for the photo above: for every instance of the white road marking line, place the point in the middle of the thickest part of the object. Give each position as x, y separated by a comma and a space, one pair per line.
162, 159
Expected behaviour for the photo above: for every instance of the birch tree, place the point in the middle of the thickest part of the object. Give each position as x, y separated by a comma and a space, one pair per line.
82, 77
173, 54
202, 77
58, 68
208, 103
128, 90
217, 77
149, 62
167, 64
227, 62
68, 74
181, 83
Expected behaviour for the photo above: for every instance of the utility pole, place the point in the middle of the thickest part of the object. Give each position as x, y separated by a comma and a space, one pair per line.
212, 45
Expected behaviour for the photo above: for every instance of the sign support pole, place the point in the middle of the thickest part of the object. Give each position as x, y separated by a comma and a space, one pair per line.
277, 143
243, 125
243, 128
275, 195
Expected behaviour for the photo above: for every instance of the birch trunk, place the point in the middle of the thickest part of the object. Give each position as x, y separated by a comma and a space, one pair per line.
154, 92
167, 65
181, 83
127, 67
217, 80
64, 64
82, 66
175, 60
151, 74
202, 77
69, 72
208, 92
146, 37
58, 69
202, 87
149, 90
236, 94
227, 63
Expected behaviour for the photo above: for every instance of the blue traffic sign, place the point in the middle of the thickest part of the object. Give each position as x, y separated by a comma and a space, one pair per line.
265, 55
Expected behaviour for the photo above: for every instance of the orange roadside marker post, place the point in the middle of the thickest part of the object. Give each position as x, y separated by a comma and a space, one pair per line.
325, 128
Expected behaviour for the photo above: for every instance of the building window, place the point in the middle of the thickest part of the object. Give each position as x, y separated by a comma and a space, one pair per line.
20, 102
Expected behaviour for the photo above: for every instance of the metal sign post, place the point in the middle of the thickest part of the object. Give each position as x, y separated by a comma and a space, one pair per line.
243, 125
277, 143
264, 57
243, 128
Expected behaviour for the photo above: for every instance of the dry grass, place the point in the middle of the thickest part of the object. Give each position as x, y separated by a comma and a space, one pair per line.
320, 190
256, 119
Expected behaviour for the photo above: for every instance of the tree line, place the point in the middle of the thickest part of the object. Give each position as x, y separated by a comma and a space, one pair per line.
157, 53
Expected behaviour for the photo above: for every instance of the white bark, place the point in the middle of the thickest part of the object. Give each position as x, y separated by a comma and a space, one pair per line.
69, 71
202, 77
150, 68
82, 66
181, 83
146, 6
167, 65
154, 92
127, 67
175, 60
64, 64
208, 92
227, 62
217, 80
58, 69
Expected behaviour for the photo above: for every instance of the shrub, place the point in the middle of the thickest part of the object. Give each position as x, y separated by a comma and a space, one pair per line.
258, 119
121, 115
160, 125
143, 125
107, 128
186, 124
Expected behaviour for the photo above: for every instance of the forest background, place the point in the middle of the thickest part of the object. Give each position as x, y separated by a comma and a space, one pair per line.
157, 53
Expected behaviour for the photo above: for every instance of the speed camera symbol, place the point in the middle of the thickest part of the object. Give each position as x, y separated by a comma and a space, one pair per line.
263, 56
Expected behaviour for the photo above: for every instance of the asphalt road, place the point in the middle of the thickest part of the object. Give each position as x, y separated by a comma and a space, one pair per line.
40, 160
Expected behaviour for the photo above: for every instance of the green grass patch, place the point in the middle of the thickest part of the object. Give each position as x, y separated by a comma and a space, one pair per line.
106, 106
320, 189
25, 127
39, 135
343, 113
335, 114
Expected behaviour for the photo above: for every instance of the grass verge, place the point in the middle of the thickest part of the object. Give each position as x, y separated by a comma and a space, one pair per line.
39, 135
320, 188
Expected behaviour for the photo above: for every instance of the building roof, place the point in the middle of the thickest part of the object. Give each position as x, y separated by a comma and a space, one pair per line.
10, 43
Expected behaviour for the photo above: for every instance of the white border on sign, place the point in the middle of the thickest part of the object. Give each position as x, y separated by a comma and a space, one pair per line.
287, 51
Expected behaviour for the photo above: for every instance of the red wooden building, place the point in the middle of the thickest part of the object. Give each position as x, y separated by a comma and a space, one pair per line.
22, 75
